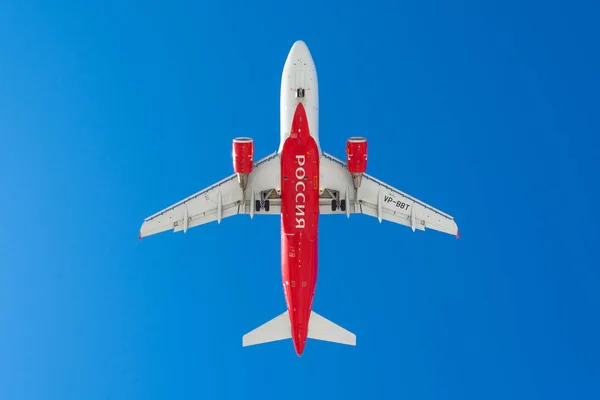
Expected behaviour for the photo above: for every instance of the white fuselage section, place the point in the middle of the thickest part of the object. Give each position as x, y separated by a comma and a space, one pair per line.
299, 72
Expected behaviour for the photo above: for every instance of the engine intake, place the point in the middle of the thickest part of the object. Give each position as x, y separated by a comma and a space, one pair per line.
356, 158
243, 159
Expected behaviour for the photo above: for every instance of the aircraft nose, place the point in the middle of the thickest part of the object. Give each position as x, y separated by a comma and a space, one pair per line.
299, 46
299, 54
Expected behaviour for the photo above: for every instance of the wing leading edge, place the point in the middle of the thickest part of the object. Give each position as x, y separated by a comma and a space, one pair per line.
220, 200
378, 199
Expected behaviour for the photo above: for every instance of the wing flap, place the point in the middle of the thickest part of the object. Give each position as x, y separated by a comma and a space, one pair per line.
392, 216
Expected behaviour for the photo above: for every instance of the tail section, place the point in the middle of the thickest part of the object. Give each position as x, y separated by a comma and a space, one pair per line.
320, 328
279, 328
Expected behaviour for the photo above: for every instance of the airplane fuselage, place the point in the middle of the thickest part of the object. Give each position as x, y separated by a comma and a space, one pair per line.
302, 182
300, 153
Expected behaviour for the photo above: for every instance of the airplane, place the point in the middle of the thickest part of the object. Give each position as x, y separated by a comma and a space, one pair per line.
299, 182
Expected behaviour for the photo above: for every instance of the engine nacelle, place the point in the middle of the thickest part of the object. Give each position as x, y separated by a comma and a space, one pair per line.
356, 158
243, 159
356, 154
243, 155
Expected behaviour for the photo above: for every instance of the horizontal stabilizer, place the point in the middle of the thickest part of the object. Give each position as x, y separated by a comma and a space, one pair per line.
279, 328
320, 328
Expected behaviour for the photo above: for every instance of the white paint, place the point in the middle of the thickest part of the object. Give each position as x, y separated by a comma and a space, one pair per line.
299, 62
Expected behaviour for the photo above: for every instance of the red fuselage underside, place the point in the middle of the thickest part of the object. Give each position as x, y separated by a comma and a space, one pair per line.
299, 224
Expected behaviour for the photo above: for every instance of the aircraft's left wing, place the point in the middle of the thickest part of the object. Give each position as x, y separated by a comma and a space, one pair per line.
221, 200
377, 199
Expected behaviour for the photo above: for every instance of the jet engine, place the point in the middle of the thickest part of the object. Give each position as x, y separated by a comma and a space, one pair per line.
243, 159
356, 158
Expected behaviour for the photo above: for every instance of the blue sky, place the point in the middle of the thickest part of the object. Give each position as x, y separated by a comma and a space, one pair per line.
111, 112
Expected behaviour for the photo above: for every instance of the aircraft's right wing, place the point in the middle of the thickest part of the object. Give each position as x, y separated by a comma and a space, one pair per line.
378, 199
221, 200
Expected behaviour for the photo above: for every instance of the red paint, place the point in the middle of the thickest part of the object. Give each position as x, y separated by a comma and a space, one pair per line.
299, 224
243, 155
356, 154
